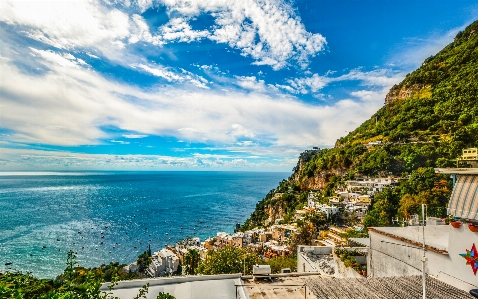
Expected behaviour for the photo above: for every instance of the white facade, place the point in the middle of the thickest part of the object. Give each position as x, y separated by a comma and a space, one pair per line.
131, 268
395, 251
311, 200
163, 262
370, 185
327, 210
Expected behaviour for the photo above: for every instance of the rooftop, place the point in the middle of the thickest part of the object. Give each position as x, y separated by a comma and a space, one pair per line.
436, 236
382, 288
457, 170
280, 288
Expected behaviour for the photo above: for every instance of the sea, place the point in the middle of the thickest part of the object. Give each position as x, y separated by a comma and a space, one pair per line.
115, 216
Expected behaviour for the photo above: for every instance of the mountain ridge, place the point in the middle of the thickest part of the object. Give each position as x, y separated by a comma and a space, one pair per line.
426, 121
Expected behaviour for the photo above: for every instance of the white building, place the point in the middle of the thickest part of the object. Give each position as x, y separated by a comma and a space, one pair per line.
163, 262
131, 268
370, 185
311, 200
451, 253
327, 210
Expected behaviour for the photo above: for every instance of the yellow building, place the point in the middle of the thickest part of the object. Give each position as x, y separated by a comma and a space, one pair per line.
470, 154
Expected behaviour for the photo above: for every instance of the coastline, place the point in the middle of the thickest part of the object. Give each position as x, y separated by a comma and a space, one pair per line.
59, 207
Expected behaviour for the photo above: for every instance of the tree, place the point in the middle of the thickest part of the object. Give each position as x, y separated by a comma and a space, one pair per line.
229, 260
143, 262
69, 285
191, 261
279, 263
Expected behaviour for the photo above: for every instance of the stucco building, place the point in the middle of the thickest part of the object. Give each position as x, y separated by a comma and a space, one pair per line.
451, 253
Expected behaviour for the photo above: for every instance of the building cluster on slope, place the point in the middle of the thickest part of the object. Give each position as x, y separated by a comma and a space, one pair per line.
271, 242
447, 253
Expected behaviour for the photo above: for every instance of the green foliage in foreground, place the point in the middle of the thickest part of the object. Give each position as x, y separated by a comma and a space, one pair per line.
279, 263
229, 260
74, 283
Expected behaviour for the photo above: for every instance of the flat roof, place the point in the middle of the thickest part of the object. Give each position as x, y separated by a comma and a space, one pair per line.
382, 288
279, 288
436, 236
457, 170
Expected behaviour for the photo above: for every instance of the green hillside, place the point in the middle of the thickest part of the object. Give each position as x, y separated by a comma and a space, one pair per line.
426, 120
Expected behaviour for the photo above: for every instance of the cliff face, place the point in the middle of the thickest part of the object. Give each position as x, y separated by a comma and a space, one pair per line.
397, 93
274, 212
316, 182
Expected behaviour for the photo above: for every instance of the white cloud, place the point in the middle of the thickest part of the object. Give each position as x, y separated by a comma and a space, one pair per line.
179, 30
251, 83
119, 141
68, 105
240, 131
369, 95
134, 136
158, 72
380, 78
269, 31
314, 83
172, 76
28, 159
68, 24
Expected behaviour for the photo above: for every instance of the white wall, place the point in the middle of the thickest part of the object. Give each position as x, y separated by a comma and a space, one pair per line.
394, 260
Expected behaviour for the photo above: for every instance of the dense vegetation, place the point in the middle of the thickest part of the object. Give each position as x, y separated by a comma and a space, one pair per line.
74, 283
239, 260
428, 119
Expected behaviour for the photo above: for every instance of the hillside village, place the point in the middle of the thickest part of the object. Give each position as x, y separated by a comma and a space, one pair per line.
275, 239
342, 247
342, 215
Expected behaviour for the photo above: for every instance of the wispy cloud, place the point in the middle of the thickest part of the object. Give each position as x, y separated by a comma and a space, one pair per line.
28, 159
134, 136
68, 105
383, 78
119, 141
172, 76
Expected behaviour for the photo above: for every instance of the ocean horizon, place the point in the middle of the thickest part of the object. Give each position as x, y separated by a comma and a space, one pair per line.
107, 216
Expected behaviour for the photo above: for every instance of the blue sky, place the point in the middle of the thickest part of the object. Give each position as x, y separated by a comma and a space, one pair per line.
202, 85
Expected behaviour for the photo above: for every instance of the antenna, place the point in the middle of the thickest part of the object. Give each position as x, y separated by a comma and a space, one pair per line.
424, 259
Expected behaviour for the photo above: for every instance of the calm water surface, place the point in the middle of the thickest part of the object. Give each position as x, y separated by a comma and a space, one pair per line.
44, 215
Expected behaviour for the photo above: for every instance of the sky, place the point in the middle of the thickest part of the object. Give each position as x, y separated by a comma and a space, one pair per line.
241, 85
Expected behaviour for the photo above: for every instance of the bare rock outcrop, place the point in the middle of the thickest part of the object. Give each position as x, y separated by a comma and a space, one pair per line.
402, 93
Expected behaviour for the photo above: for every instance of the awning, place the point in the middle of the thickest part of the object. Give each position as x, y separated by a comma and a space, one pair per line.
464, 198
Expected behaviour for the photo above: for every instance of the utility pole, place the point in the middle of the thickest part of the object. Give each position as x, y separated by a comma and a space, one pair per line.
424, 259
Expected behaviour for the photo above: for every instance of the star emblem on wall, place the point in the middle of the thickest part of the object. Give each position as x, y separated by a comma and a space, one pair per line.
471, 257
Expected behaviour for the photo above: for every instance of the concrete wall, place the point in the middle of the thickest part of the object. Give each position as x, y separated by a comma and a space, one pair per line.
316, 249
138, 283
386, 260
345, 272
